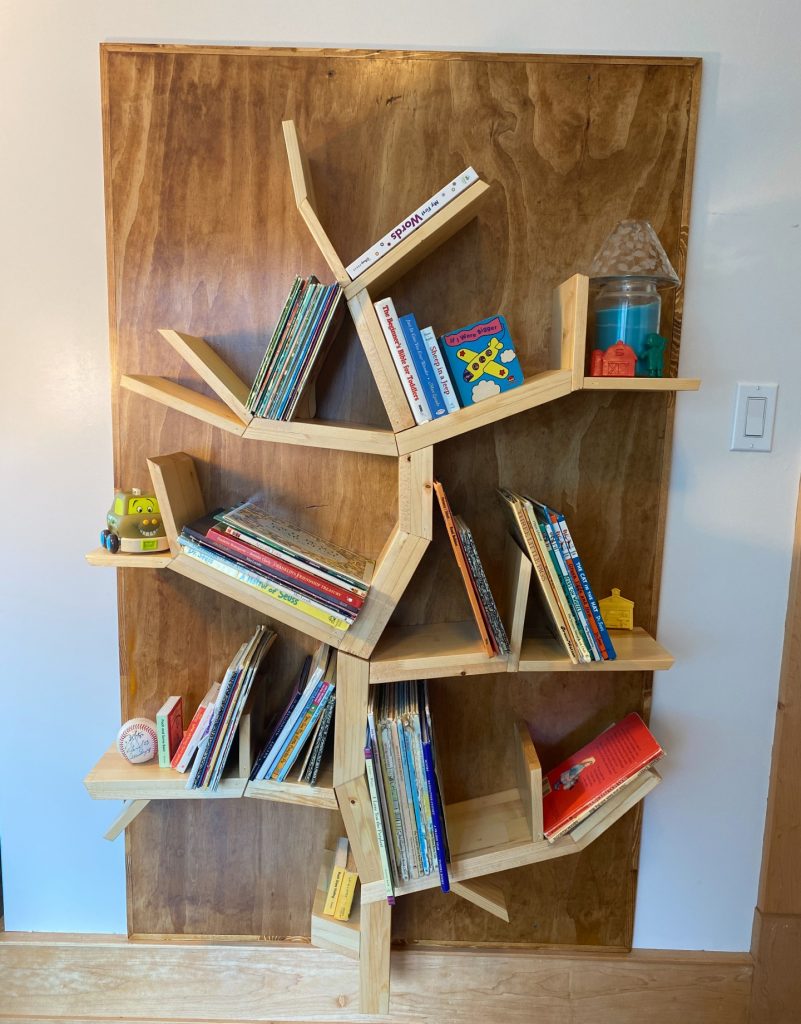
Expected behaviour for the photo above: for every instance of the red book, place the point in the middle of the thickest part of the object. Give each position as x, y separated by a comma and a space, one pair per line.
289, 573
573, 789
169, 729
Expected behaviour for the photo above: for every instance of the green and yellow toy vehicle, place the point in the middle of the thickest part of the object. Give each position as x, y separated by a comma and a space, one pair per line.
134, 524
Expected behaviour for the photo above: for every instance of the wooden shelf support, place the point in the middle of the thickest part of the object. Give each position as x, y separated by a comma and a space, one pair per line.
376, 923
212, 369
517, 577
185, 400
130, 810
529, 780
569, 327
483, 894
177, 489
304, 200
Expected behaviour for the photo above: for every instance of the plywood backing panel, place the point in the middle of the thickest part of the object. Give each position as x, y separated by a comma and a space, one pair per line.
204, 238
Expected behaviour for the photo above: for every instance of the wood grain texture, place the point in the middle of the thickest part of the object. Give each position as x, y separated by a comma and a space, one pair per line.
102, 978
204, 236
776, 948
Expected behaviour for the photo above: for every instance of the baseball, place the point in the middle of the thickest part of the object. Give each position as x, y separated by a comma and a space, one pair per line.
137, 741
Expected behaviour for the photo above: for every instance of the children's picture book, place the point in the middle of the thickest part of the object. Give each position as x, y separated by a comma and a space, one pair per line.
482, 360
575, 788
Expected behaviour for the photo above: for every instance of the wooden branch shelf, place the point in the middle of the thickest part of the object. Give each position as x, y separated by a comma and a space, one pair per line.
494, 833
636, 652
641, 384
343, 937
114, 778
293, 792
448, 649
154, 560
176, 486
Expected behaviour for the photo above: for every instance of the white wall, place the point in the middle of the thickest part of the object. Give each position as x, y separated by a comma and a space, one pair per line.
730, 515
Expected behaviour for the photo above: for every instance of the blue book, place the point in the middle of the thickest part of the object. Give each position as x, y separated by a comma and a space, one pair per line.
282, 742
411, 788
437, 815
422, 363
319, 703
481, 360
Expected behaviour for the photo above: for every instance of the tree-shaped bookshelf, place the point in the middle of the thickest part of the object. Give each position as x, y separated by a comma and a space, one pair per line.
355, 468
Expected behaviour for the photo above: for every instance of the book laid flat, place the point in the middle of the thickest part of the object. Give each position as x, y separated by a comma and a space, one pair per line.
214, 748
411, 223
300, 731
294, 353
327, 582
490, 627
405, 792
482, 360
582, 782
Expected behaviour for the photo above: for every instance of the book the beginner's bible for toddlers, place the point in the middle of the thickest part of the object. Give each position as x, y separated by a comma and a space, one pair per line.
481, 360
574, 788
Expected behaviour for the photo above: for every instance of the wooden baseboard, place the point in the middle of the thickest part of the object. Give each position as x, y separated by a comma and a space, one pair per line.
776, 948
71, 979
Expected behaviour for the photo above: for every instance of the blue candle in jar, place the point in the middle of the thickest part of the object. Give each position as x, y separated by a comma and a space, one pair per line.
627, 310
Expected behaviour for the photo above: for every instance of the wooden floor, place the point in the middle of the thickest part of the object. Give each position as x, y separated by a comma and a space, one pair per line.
108, 978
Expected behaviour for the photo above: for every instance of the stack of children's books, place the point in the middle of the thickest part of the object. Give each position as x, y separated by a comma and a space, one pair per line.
214, 744
299, 732
308, 319
327, 582
404, 785
568, 598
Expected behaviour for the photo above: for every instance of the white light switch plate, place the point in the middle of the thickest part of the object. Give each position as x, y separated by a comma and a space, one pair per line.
754, 413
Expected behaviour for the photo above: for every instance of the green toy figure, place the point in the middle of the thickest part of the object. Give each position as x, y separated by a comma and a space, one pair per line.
134, 524
654, 355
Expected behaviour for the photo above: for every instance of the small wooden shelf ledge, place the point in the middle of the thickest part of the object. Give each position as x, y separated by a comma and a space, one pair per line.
293, 792
637, 651
431, 651
537, 390
154, 560
641, 384
114, 778
175, 396
342, 937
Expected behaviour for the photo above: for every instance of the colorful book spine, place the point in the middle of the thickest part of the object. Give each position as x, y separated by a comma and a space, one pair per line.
307, 699
289, 572
439, 832
334, 889
412, 222
584, 639
411, 786
305, 726
453, 536
594, 612
315, 763
372, 785
393, 333
530, 542
440, 368
263, 585
346, 893
169, 729
422, 362
194, 731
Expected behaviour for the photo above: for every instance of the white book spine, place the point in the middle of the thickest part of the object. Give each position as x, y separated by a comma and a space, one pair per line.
440, 370
412, 222
396, 342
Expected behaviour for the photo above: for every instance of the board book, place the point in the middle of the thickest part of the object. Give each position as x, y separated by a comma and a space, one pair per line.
481, 359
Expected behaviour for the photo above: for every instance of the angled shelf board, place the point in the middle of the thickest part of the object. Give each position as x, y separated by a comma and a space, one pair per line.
321, 794
431, 651
641, 384
343, 937
156, 560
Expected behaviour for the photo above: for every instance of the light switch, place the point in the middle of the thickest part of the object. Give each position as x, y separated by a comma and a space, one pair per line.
754, 413
755, 417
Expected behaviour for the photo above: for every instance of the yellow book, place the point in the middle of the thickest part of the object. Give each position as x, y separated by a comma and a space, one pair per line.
345, 898
337, 877
334, 889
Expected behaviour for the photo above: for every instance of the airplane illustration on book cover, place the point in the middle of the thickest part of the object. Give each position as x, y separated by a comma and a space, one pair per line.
481, 359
